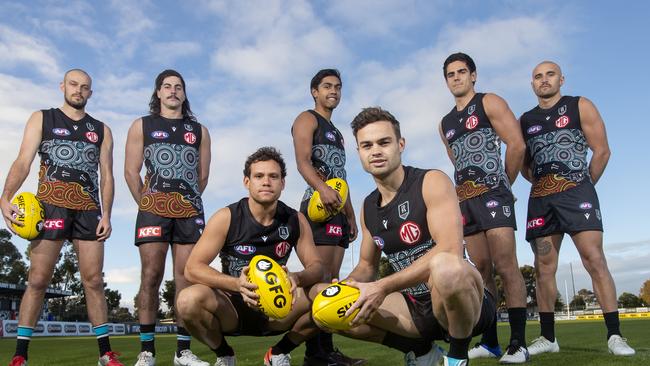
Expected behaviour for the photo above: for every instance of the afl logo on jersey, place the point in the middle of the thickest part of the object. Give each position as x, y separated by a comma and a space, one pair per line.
492, 204
562, 122
586, 205
61, 131
92, 137
160, 135
471, 123
379, 242
189, 137
199, 222
245, 249
410, 232
533, 129
282, 248
450, 134
330, 136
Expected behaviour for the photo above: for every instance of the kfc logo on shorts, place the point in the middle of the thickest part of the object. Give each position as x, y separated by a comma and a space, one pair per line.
333, 230
61, 131
92, 136
282, 248
379, 242
159, 135
410, 232
471, 123
492, 204
245, 249
54, 224
149, 231
450, 134
330, 136
586, 205
535, 223
562, 122
189, 137
534, 129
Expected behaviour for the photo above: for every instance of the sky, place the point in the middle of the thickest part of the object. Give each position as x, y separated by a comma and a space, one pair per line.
247, 65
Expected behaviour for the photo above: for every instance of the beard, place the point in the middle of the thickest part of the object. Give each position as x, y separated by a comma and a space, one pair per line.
76, 105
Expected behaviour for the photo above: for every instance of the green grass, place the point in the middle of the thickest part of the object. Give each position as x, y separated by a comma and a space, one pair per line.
581, 343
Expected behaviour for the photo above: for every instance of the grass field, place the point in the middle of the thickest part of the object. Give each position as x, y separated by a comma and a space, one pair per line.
581, 343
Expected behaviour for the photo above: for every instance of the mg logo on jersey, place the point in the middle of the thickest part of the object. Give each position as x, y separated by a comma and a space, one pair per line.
450, 134
149, 231
562, 122
410, 232
92, 136
533, 129
245, 249
379, 242
189, 137
535, 223
282, 248
160, 135
333, 230
54, 224
61, 131
471, 123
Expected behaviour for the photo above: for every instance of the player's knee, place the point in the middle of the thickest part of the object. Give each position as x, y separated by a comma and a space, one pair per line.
38, 281
595, 264
447, 274
189, 301
151, 278
93, 282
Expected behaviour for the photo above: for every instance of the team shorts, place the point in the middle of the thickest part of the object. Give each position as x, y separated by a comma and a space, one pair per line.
428, 326
62, 223
334, 231
571, 211
251, 321
492, 209
153, 228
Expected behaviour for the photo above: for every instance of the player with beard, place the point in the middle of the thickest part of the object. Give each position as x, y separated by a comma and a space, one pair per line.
224, 302
74, 147
559, 131
320, 155
175, 149
472, 132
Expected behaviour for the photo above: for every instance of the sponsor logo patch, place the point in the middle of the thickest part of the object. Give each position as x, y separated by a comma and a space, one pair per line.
330, 136
403, 210
379, 242
450, 134
92, 136
535, 223
506, 211
562, 122
585, 205
188, 127
61, 131
471, 109
160, 135
333, 230
492, 204
189, 137
561, 110
534, 129
283, 232
282, 248
471, 123
199, 222
410, 232
245, 249
149, 231
54, 224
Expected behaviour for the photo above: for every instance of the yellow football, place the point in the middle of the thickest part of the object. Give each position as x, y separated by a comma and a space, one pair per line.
273, 286
330, 305
316, 210
32, 215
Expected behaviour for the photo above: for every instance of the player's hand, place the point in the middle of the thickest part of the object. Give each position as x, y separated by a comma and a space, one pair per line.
371, 296
330, 198
104, 229
9, 212
247, 290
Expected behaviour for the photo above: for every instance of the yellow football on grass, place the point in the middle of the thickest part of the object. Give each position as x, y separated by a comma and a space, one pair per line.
32, 215
316, 210
330, 305
273, 286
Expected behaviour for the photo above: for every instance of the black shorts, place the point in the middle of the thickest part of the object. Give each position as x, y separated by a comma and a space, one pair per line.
334, 231
428, 326
571, 211
62, 223
492, 209
153, 228
251, 322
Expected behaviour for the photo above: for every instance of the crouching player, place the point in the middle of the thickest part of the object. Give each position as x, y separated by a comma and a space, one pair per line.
413, 217
224, 303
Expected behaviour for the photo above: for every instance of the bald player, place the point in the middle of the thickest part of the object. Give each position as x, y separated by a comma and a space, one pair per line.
74, 147
558, 132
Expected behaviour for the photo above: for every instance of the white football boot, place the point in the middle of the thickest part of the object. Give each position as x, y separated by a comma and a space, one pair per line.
543, 345
618, 346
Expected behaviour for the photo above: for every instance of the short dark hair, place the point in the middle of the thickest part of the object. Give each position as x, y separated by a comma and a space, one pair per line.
154, 103
322, 74
459, 56
265, 153
374, 114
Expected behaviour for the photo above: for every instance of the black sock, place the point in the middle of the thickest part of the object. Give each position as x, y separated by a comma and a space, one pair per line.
312, 345
224, 349
104, 345
21, 347
458, 347
417, 345
612, 323
517, 319
547, 322
285, 346
183, 340
147, 341
489, 337
326, 342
